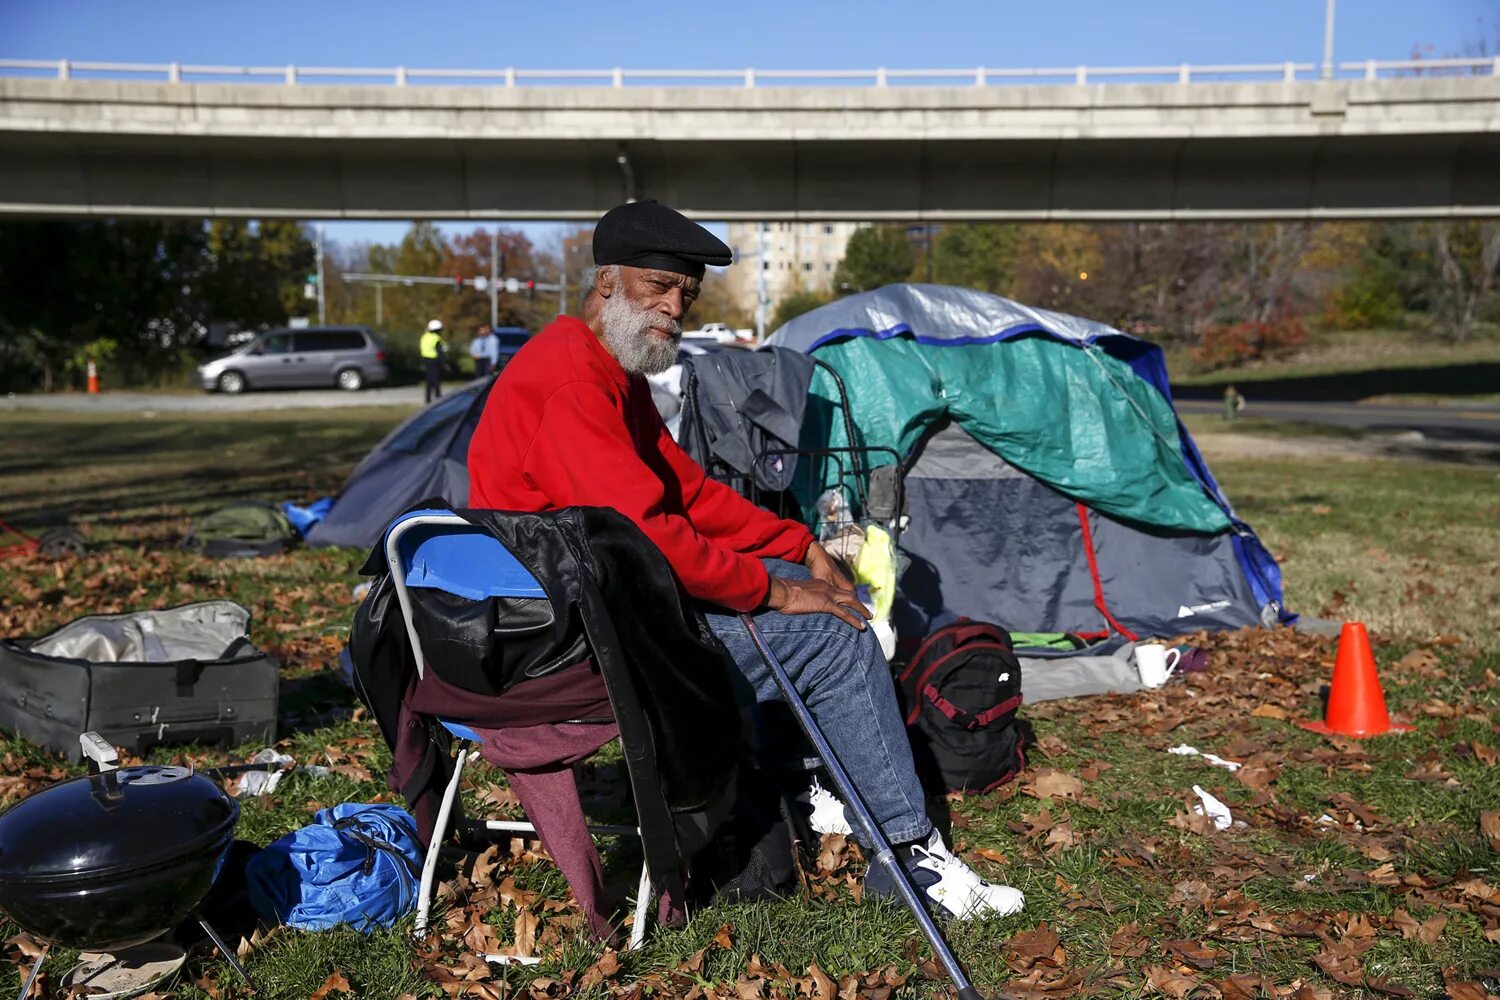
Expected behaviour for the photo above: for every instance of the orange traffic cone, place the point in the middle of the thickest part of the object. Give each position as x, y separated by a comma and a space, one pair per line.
93, 377
1356, 705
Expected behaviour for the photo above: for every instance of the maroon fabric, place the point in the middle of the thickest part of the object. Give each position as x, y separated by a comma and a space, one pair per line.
574, 692
539, 762
525, 732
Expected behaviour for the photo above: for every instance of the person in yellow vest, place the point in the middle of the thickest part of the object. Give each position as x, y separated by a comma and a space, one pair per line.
433, 350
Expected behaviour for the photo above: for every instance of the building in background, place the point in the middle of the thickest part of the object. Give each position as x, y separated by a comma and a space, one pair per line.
793, 256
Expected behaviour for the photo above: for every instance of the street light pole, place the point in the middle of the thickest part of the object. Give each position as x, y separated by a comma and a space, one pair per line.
322, 310
760, 285
1328, 39
494, 278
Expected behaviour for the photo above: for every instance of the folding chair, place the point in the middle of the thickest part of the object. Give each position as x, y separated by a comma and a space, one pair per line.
438, 550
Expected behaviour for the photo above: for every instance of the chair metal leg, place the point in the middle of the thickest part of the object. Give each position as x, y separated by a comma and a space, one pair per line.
642, 909
864, 822
439, 834
35, 968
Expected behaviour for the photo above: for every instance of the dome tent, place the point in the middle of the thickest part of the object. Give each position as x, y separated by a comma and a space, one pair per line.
1049, 482
427, 455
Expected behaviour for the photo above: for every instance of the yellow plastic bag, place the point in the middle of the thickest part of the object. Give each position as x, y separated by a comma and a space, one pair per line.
875, 566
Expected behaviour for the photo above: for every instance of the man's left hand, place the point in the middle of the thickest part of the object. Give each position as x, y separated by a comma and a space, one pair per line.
824, 568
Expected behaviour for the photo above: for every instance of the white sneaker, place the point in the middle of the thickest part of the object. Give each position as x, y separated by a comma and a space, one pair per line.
948, 883
827, 811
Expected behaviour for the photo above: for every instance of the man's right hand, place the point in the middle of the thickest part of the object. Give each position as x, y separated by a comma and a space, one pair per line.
813, 596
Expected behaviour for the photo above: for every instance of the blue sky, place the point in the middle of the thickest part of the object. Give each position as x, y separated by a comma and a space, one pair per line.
784, 34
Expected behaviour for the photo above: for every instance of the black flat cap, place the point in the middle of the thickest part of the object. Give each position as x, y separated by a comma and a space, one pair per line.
647, 234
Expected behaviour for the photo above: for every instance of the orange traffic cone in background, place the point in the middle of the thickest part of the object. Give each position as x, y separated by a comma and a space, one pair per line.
1356, 705
93, 377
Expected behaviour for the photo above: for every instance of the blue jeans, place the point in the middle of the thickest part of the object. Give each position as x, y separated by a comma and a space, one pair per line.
843, 677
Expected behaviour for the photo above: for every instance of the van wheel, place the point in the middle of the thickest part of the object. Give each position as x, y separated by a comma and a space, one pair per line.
351, 379
231, 383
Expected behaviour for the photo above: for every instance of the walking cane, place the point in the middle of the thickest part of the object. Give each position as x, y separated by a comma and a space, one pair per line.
884, 856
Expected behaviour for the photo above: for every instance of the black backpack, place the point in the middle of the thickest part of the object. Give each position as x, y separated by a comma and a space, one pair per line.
959, 695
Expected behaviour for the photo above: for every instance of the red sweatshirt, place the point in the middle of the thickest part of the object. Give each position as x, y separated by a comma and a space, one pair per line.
566, 426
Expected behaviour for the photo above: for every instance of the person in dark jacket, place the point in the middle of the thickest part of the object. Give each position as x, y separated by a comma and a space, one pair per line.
571, 423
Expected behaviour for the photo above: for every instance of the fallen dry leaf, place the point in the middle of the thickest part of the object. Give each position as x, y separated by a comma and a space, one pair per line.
1170, 982
1463, 989
335, 981
1271, 712
1244, 986
1489, 826
823, 987
1194, 953
1038, 946
1128, 942
1048, 783
526, 924
1417, 661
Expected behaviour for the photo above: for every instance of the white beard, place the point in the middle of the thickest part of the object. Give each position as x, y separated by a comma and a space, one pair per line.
629, 337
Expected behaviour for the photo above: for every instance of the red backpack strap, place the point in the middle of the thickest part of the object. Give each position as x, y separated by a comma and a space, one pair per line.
940, 635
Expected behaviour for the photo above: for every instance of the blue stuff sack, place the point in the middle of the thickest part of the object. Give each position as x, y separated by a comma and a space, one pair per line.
303, 518
357, 864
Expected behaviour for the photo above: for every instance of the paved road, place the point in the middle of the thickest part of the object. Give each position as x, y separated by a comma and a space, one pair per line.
203, 402
1472, 423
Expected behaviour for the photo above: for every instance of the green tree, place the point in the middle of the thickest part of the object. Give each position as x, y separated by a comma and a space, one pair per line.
254, 272
518, 258
794, 305
407, 309
64, 285
876, 256
977, 255
717, 304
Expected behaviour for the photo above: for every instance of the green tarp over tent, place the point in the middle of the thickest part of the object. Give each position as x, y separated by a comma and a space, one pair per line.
1067, 413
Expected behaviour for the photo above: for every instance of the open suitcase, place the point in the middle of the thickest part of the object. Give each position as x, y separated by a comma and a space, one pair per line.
188, 674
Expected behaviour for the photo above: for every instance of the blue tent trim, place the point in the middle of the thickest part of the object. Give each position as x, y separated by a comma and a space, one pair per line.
1148, 363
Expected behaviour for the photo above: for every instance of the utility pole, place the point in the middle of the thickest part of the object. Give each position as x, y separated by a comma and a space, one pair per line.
322, 308
760, 285
494, 277
1328, 39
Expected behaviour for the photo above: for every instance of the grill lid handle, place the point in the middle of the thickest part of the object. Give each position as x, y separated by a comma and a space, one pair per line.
99, 751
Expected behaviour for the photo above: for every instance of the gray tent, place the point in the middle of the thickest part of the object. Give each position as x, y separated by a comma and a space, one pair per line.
1050, 485
427, 456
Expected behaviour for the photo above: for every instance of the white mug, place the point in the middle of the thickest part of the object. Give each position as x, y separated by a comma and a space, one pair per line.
1156, 663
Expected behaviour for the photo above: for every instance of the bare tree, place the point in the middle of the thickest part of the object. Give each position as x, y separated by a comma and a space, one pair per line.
1468, 254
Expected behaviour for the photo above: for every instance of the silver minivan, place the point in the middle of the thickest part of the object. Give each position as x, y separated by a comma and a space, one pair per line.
349, 357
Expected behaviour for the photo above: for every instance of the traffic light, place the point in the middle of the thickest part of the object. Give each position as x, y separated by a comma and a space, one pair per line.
458, 282
530, 289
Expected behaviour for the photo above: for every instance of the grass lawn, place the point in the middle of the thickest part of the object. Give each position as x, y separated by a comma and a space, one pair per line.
1389, 366
1354, 868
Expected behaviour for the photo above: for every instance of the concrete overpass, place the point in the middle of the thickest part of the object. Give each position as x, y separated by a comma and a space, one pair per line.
1413, 146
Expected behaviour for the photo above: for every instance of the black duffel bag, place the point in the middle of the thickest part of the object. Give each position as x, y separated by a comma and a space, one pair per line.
959, 697
188, 674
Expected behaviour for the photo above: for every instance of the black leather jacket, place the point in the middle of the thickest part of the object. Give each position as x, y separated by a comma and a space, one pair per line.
613, 596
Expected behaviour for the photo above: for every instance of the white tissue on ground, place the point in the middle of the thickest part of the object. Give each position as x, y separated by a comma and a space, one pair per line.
1213, 809
1183, 750
827, 811
263, 782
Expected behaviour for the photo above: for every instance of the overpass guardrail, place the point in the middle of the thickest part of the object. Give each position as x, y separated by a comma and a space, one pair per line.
619, 77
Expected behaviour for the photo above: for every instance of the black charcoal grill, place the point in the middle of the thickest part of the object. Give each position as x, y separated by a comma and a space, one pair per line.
114, 859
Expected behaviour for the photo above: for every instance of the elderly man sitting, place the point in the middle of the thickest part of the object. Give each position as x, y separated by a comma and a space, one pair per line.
571, 423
